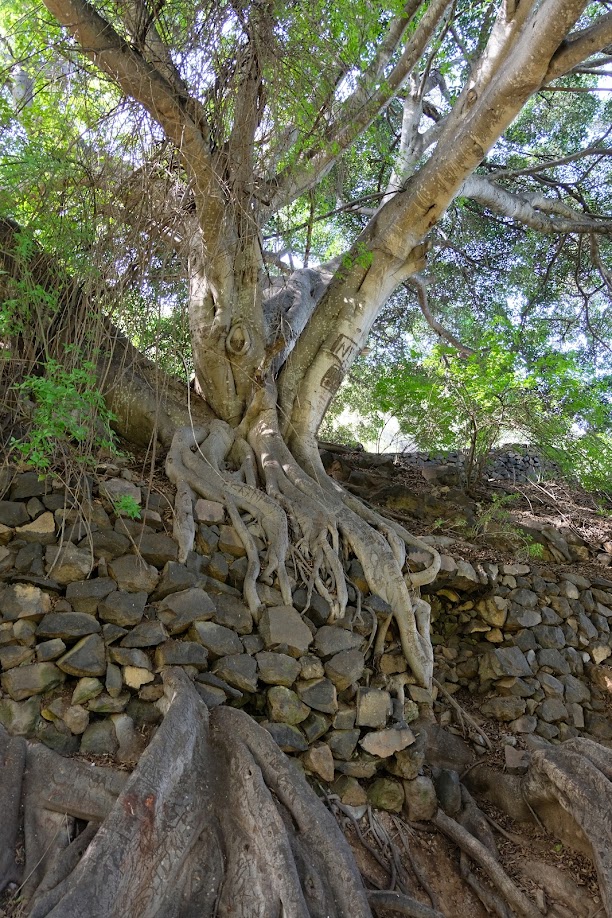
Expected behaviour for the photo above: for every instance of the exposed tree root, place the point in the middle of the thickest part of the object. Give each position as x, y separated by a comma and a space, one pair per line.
228, 826
403, 905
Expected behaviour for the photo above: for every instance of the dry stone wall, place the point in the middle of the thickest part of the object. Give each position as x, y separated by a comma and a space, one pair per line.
91, 611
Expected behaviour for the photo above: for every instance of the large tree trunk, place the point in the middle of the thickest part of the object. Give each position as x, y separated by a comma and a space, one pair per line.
214, 821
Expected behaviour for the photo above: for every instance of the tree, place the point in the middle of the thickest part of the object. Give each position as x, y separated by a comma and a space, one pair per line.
225, 85
255, 116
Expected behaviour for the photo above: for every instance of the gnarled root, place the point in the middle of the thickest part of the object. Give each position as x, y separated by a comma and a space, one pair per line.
228, 826
324, 524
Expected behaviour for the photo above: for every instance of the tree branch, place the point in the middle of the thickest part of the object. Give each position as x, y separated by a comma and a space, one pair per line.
579, 46
418, 284
535, 211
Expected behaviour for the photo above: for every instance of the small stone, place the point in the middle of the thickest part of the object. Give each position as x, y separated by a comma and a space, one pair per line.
319, 761
123, 609
25, 681
420, 695
106, 544
524, 724
287, 737
319, 694
277, 668
209, 511
147, 634
20, 717
181, 653
373, 707
516, 760
345, 668
178, 611
50, 650
76, 719
112, 633
230, 542
218, 640
553, 660
283, 628
15, 655
549, 637
143, 713
311, 667
114, 680
68, 563
58, 737
217, 567
157, 548
239, 670
421, 802
69, 626
284, 706
384, 743
41, 530
116, 488
134, 677
232, 613
319, 609
391, 663
407, 763
599, 653
84, 595
85, 690
130, 656
448, 790
552, 710
342, 743
131, 743
174, 579
86, 658
133, 574
493, 610
503, 709
13, 513
106, 704
100, 739
387, 794
350, 791
23, 600
526, 598
331, 640
344, 718
315, 726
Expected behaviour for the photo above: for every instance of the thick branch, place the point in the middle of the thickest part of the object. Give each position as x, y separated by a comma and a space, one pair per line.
579, 46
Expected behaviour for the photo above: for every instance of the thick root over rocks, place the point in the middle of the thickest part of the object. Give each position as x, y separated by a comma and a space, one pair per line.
310, 530
214, 821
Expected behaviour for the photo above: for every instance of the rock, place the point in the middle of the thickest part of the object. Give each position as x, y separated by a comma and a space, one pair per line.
85, 690
86, 658
524, 724
598, 725
283, 628
315, 726
230, 542
147, 634
25, 681
342, 743
116, 488
178, 611
286, 736
107, 704
319, 609
549, 637
319, 761
408, 762
207, 541
319, 694
384, 743
68, 626
493, 610
350, 791
361, 766
123, 609
345, 668
20, 717
504, 661
106, 543
448, 790
157, 549
50, 650
22, 600
516, 760
68, 563
552, 710
218, 640
552, 686
504, 709
181, 653
232, 613
114, 680
209, 511
175, 578
112, 633
134, 677
40, 530
386, 794
127, 656
15, 655
553, 660
373, 707
277, 668
131, 743
100, 738
284, 706
133, 574
599, 652
143, 713
344, 718
311, 667
522, 597
420, 799
331, 640
85, 595
76, 719
58, 737
13, 513
239, 670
